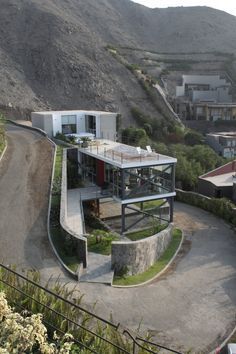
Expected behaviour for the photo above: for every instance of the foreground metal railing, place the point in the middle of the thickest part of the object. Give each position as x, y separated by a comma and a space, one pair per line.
63, 315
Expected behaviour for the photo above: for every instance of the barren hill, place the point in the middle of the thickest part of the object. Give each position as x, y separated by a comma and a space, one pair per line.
53, 52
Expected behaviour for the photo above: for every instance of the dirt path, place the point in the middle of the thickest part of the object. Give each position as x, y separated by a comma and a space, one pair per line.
24, 185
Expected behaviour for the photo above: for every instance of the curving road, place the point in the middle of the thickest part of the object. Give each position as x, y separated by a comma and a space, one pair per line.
24, 187
192, 306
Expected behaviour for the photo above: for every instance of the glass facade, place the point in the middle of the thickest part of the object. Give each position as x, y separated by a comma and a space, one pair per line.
148, 181
131, 183
90, 123
68, 124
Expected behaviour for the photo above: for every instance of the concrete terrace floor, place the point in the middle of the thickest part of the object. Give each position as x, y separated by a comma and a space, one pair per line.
191, 307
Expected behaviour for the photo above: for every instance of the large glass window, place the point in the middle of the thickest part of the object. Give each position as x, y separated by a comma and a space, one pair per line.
147, 181
91, 124
68, 124
113, 178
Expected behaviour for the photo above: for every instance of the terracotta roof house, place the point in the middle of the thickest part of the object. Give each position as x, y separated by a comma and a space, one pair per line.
220, 182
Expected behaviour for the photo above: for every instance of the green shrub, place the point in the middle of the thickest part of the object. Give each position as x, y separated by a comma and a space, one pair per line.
99, 241
221, 207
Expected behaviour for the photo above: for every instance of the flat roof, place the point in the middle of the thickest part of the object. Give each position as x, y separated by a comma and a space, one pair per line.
75, 111
223, 134
223, 180
125, 156
216, 105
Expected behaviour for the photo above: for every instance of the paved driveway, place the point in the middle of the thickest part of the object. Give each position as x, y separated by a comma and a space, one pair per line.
24, 185
192, 306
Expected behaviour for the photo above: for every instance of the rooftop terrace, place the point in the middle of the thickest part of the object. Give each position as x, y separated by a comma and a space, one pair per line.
122, 155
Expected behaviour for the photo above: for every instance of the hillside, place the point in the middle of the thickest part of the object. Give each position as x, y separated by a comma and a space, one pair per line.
53, 52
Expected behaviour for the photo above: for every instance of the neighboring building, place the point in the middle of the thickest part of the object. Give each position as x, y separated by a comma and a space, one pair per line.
128, 174
101, 124
220, 182
212, 112
210, 88
223, 143
204, 97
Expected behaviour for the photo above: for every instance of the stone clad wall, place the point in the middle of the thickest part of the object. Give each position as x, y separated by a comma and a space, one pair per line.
138, 256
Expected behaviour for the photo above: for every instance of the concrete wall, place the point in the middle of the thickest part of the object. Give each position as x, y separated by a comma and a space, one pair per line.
81, 241
138, 256
108, 126
51, 123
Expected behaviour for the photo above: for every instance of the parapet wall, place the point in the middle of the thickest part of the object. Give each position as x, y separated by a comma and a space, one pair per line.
137, 256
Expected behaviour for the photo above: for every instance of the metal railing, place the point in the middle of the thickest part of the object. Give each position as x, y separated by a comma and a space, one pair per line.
88, 329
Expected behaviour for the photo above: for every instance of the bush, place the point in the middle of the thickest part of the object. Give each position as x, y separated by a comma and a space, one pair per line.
23, 333
220, 207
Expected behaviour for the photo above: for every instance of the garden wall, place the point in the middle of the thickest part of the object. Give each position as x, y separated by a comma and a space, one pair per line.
137, 256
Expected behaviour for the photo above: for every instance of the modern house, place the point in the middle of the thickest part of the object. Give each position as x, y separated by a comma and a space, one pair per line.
220, 182
210, 88
130, 175
100, 124
204, 97
223, 143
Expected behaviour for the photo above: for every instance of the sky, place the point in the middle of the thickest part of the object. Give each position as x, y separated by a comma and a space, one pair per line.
226, 5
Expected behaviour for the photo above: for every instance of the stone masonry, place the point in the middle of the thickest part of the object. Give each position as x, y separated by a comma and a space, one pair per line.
137, 256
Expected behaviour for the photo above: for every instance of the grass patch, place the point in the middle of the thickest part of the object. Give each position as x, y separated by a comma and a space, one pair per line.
155, 268
151, 204
139, 235
100, 242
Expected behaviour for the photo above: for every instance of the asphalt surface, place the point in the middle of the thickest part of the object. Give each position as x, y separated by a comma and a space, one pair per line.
25, 172
192, 306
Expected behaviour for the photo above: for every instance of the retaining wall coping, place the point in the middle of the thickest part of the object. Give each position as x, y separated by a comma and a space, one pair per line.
146, 239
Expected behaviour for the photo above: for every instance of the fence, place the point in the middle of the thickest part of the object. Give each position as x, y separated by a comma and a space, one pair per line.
91, 332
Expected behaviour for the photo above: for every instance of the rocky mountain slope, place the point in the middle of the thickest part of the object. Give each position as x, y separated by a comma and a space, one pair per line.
53, 52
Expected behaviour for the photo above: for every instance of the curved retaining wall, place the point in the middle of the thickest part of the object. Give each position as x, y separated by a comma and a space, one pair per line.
81, 240
138, 256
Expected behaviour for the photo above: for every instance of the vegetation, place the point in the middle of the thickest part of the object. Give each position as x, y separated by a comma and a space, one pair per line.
220, 207
100, 242
21, 333
135, 136
41, 301
193, 161
194, 157
2, 133
144, 233
67, 139
156, 268
64, 243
